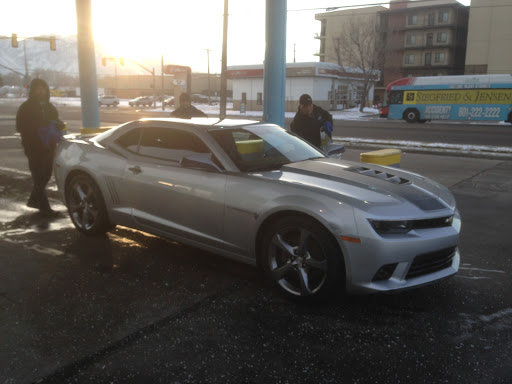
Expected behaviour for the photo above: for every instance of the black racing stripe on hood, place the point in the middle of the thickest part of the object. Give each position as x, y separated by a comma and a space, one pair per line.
385, 181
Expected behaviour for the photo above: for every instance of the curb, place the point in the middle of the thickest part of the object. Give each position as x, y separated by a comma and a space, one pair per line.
503, 153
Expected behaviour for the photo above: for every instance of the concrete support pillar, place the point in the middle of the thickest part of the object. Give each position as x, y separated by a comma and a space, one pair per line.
275, 62
87, 66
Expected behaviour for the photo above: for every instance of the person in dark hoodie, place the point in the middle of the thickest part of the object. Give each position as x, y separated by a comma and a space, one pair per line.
186, 110
310, 120
33, 118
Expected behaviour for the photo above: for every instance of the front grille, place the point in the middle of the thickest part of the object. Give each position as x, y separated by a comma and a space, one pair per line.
439, 222
431, 262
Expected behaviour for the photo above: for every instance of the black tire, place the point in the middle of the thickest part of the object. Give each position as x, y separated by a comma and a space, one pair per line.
86, 206
301, 259
411, 115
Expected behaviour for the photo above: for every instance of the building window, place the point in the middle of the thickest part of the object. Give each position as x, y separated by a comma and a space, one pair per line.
440, 58
411, 40
442, 37
412, 20
259, 98
431, 19
443, 17
244, 97
409, 59
428, 57
430, 39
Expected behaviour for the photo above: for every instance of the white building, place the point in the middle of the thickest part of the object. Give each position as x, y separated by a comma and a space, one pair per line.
331, 86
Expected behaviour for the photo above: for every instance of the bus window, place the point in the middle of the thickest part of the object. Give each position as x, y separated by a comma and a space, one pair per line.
385, 102
397, 97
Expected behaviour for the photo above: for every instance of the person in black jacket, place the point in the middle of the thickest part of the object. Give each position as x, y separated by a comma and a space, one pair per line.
310, 120
33, 115
186, 110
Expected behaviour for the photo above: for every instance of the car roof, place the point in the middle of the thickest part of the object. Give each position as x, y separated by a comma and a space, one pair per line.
209, 123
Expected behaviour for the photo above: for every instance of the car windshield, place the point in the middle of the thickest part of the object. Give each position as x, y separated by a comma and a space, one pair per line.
266, 147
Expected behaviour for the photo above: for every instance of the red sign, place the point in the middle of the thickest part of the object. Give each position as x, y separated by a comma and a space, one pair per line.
176, 69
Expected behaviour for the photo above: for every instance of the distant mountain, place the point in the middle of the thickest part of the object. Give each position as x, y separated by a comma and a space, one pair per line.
64, 59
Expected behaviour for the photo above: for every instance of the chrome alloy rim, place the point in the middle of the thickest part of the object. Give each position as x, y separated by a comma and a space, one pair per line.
297, 262
82, 205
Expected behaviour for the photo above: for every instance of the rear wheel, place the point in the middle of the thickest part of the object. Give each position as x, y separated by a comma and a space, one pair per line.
86, 206
301, 259
411, 115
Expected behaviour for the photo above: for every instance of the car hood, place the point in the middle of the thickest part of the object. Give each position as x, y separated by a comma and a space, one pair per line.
370, 186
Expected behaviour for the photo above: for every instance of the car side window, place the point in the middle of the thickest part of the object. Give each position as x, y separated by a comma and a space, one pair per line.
170, 144
130, 140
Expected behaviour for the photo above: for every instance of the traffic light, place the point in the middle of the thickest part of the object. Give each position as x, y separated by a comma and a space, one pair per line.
53, 43
121, 60
14, 40
104, 61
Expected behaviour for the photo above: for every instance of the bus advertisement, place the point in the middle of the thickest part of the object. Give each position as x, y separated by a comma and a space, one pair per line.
475, 97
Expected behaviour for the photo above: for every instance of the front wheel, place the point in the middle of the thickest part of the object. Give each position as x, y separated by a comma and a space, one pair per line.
86, 206
301, 259
411, 115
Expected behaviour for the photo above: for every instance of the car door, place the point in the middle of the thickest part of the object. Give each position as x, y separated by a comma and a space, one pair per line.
186, 202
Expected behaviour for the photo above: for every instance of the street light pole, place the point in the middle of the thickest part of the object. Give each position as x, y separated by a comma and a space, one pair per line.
224, 69
208, 55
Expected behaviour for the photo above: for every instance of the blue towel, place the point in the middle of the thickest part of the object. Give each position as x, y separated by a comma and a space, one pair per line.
327, 128
51, 133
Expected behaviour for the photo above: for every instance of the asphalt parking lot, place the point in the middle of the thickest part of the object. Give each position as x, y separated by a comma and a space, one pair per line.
133, 308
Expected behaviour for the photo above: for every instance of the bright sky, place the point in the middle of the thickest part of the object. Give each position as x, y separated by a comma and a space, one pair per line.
181, 30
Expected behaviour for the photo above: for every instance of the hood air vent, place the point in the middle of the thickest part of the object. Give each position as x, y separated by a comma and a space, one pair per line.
379, 175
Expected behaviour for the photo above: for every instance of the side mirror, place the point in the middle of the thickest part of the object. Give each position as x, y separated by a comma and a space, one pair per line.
202, 161
335, 150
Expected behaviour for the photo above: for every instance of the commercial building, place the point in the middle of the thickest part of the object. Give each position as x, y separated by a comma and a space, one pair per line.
424, 38
331, 86
419, 38
489, 37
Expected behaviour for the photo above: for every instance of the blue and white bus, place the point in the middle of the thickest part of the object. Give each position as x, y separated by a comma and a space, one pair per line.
474, 97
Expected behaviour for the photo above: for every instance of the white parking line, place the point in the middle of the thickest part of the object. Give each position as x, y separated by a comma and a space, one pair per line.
14, 170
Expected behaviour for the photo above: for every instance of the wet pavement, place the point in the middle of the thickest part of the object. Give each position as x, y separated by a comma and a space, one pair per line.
129, 307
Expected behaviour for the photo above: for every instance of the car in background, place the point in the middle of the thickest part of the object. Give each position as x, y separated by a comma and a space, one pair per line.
198, 98
141, 101
257, 193
108, 100
168, 102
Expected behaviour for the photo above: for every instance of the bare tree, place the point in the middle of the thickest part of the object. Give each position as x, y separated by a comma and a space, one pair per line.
360, 45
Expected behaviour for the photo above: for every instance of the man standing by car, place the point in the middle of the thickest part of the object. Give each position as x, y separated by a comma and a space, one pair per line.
310, 120
33, 118
186, 110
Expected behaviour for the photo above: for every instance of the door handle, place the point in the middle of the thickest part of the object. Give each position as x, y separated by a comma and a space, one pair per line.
135, 170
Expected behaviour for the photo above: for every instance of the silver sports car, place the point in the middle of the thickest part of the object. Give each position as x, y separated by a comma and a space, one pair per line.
257, 193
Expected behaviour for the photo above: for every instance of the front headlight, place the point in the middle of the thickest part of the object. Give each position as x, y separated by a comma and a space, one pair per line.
385, 227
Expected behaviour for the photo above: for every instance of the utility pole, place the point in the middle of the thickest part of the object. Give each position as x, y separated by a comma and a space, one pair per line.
26, 62
163, 92
208, 55
224, 70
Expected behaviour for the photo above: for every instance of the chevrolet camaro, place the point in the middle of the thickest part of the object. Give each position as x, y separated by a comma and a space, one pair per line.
252, 191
